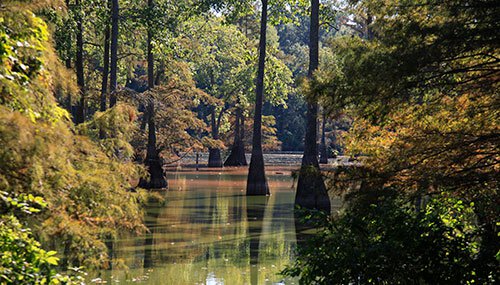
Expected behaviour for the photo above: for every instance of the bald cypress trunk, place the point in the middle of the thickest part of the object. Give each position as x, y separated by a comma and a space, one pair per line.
311, 190
105, 70
151, 78
322, 148
214, 156
153, 161
114, 52
69, 43
257, 182
237, 155
80, 77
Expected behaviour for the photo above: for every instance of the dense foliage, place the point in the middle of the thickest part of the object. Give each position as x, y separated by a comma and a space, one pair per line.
23, 261
82, 180
421, 85
391, 243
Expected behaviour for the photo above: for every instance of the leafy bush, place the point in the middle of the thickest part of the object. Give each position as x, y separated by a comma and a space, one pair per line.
425, 124
84, 182
392, 242
23, 261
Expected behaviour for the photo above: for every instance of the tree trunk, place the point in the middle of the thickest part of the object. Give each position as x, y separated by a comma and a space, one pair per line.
214, 156
114, 52
237, 155
68, 63
144, 118
242, 129
153, 161
159, 73
334, 140
311, 190
197, 160
368, 30
323, 149
105, 70
151, 78
80, 77
257, 182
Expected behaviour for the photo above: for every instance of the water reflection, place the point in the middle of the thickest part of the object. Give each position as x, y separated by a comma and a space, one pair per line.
151, 221
210, 233
255, 218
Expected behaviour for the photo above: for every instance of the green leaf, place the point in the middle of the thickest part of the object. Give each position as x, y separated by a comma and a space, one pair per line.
52, 260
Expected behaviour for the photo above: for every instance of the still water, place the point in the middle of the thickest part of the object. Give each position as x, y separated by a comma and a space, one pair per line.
209, 232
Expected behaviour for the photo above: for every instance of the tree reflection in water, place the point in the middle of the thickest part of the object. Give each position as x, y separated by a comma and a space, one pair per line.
256, 206
209, 232
152, 214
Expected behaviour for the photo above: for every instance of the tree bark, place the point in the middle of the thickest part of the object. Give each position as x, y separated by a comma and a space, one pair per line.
159, 73
114, 52
237, 155
311, 190
105, 70
151, 78
334, 140
256, 181
80, 77
323, 149
214, 156
68, 63
197, 160
153, 161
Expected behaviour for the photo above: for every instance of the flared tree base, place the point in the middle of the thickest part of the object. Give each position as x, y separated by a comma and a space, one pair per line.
157, 179
236, 157
257, 182
214, 158
311, 191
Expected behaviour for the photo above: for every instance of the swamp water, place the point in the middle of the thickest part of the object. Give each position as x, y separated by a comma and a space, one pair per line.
209, 232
